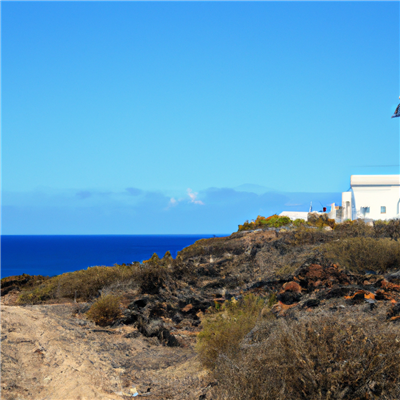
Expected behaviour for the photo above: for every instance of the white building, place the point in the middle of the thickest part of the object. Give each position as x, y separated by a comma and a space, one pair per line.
295, 215
371, 197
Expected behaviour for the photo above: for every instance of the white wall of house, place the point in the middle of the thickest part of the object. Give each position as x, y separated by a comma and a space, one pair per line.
372, 197
347, 205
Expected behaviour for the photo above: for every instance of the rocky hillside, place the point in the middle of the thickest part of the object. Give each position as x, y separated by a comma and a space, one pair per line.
51, 349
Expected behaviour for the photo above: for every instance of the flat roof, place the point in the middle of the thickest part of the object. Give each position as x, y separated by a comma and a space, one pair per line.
375, 180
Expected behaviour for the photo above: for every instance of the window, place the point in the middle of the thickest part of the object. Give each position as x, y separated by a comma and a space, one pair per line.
383, 210
365, 210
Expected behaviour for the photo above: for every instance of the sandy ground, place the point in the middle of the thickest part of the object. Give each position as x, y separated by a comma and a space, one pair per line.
48, 353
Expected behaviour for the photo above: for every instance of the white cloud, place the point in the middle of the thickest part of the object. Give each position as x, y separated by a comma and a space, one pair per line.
193, 196
172, 203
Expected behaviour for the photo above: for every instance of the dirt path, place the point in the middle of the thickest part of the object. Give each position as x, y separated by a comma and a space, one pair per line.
47, 353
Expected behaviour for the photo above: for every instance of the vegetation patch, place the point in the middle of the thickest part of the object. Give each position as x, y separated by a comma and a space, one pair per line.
305, 236
105, 310
313, 357
389, 229
83, 284
21, 282
225, 327
359, 254
86, 284
152, 277
274, 221
356, 228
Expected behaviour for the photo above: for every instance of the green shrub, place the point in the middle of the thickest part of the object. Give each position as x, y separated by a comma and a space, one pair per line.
326, 356
299, 222
225, 328
274, 221
105, 310
358, 254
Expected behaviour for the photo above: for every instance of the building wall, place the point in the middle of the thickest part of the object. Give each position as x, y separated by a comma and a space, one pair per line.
371, 192
347, 206
295, 215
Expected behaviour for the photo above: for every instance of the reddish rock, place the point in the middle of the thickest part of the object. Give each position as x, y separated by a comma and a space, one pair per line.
382, 295
390, 286
315, 272
280, 308
187, 308
290, 293
360, 295
291, 287
317, 276
394, 312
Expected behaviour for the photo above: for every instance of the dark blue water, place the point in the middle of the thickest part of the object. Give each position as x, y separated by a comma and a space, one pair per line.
56, 254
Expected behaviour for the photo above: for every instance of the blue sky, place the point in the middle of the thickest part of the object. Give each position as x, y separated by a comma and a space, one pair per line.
135, 117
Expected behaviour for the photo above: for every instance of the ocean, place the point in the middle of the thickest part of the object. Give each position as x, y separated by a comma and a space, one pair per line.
50, 255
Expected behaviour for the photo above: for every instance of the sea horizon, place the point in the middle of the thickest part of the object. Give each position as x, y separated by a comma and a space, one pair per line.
51, 255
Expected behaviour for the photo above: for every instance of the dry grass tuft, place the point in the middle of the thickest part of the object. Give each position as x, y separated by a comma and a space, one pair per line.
84, 284
225, 328
105, 310
305, 236
359, 254
320, 357
356, 228
389, 229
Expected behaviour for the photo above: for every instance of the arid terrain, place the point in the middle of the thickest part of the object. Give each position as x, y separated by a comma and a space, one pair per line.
51, 350
47, 353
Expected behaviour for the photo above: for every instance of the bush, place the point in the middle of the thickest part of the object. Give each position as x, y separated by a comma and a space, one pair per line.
85, 284
154, 259
307, 236
356, 228
274, 221
320, 220
152, 277
390, 229
23, 281
225, 328
359, 254
105, 310
299, 222
247, 226
314, 358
